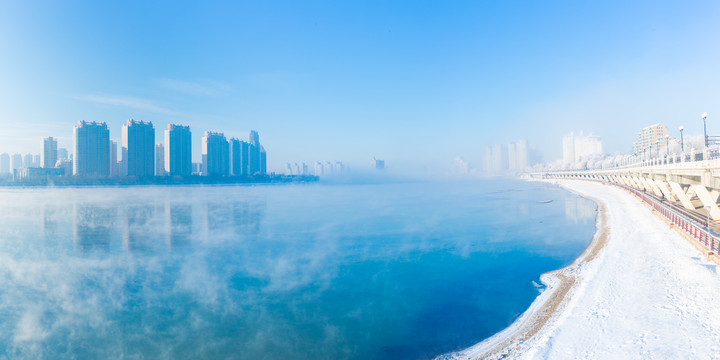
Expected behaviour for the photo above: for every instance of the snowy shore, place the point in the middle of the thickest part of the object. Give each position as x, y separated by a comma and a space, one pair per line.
640, 290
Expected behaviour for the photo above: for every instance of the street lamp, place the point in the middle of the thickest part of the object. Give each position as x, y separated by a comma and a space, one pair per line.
682, 144
667, 145
704, 117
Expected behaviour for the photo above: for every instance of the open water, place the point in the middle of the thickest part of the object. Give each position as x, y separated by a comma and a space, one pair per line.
314, 271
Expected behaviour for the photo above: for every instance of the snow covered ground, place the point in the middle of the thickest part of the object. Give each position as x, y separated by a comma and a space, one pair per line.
649, 294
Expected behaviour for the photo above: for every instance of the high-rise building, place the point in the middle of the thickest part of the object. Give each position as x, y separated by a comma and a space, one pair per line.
28, 161
216, 154
517, 156
496, 159
650, 138
579, 147
17, 162
178, 150
377, 164
159, 160
239, 157
263, 160
138, 142
62, 154
49, 154
91, 149
319, 169
257, 155
4, 163
114, 165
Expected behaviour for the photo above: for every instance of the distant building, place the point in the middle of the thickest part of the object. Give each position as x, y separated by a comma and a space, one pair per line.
460, 166
579, 147
49, 154
159, 160
28, 161
114, 165
36, 161
263, 160
17, 162
138, 143
66, 165
216, 154
178, 150
91, 149
377, 164
517, 156
239, 157
38, 172
318, 169
496, 159
257, 163
4, 163
62, 154
650, 138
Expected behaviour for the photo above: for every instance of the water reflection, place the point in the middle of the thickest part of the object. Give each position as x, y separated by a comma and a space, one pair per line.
224, 221
579, 209
92, 226
48, 220
247, 215
179, 224
138, 228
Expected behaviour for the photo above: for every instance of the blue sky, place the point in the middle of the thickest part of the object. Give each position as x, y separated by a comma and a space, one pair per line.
416, 83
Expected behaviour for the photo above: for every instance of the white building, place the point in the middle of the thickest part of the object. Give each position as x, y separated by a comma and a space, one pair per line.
577, 148
4, 163
650, 138
49, 154
496, 159
138, 148
91, 149
517, 156
159, 160
178, 150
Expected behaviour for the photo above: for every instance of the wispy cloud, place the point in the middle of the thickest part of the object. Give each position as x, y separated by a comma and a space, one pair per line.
202, 87
128, 102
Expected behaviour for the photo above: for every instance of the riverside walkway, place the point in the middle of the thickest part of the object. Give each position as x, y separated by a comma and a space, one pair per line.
685, 192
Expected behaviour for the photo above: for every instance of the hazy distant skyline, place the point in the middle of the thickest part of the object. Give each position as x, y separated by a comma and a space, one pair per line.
414, 83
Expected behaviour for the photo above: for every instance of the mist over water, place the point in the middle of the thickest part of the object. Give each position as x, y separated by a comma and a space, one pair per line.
316, 271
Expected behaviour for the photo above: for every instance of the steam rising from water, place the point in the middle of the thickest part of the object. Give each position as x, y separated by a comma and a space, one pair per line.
314, 271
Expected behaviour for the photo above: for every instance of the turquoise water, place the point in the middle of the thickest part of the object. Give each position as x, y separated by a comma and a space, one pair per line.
318, 271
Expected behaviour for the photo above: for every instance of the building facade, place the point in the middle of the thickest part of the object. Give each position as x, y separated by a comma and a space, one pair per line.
159, 160
257, 162
4, 163
580, 147
178, 150
239, 157
138, 142
215, 154
49, 154
114, 166
91, 149
650, 138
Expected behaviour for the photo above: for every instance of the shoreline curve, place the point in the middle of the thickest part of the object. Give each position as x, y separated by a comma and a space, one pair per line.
559, 286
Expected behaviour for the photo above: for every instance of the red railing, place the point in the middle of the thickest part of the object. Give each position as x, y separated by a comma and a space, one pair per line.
690, 226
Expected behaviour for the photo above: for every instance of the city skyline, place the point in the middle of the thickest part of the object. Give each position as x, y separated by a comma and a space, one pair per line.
355, 80
95, 154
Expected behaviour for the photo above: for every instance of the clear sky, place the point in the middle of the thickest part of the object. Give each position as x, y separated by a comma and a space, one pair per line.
416, 83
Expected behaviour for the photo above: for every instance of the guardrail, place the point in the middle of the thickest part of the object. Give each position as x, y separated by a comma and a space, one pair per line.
692, 227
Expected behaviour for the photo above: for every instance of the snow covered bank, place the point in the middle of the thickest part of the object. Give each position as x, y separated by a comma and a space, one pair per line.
648, 293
